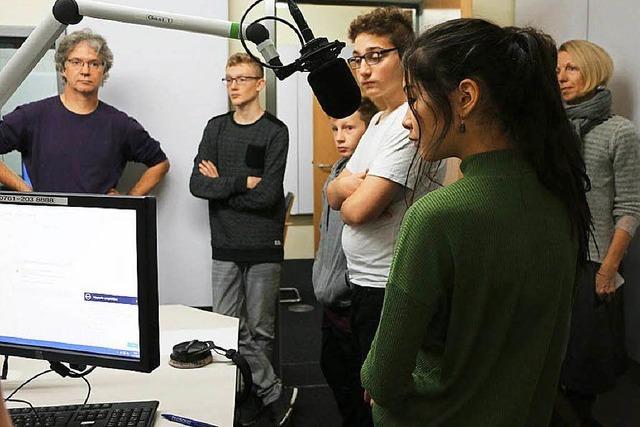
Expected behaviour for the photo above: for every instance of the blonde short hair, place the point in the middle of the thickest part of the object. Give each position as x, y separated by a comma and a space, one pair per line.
243, 58
594, 63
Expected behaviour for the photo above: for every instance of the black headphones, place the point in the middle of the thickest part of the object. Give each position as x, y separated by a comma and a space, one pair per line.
195, 354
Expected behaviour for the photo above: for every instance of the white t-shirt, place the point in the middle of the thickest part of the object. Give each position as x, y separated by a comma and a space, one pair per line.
385, 151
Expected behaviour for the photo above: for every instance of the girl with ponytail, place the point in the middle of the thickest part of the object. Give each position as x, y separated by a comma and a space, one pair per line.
477, 305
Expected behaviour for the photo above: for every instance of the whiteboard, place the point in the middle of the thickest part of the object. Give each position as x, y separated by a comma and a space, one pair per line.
170, 82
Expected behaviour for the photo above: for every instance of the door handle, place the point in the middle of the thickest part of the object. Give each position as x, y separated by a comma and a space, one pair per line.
324, 166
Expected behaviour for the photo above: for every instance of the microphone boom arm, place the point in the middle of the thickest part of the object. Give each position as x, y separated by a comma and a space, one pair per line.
318, 55
66, 12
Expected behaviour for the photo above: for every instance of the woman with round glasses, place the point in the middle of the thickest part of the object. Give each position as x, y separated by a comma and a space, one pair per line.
596, 355
477, 305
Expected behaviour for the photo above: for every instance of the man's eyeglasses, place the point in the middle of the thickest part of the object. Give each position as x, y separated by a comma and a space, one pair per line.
79, 63
371, 58
240, 80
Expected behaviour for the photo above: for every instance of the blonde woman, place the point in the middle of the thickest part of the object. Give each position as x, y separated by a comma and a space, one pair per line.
611, 150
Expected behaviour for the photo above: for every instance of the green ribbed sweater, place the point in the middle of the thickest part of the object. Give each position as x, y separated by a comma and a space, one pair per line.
476, 309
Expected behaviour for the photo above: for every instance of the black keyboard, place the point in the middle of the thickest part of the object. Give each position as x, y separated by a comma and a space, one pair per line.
120, 414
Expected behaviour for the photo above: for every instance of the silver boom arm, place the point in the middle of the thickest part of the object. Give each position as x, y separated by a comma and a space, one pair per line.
66, 12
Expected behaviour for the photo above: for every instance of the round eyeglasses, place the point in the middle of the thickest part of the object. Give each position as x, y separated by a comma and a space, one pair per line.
371, 58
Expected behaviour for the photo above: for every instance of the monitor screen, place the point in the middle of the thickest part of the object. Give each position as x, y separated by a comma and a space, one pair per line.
78, 279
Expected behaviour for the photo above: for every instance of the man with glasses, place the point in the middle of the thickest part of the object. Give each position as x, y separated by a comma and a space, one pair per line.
75, 143
239, 169
370, 191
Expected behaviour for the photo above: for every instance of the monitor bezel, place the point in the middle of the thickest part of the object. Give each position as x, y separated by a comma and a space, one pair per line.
147, 269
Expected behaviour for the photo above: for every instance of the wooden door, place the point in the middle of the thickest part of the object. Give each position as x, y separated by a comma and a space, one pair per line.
466, 8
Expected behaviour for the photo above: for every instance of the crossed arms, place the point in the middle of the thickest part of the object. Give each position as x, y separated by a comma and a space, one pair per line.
360, 197
241, 192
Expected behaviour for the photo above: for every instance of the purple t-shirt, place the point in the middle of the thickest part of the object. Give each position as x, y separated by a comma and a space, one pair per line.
76, 153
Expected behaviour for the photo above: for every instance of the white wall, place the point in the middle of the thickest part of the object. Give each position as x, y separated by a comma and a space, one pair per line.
294, 104
568, 19
499, 11
613, 24
170, 82
23, 12
431, 17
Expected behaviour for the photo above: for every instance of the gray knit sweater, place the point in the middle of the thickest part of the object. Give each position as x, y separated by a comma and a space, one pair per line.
330, 265
246, 225
612, 157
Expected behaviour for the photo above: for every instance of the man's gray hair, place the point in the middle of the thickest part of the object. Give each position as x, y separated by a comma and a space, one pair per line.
97, 43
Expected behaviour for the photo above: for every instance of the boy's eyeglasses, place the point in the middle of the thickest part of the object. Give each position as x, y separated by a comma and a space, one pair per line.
240, 80
371, 58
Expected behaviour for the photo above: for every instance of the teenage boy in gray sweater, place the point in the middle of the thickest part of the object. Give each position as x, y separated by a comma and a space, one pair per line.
239, 169
339, 357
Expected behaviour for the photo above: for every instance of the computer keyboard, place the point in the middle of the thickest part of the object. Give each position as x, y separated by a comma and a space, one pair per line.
115, 414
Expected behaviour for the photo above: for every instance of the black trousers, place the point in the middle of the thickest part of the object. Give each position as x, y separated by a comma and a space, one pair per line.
596, 353
366, 308
340, 363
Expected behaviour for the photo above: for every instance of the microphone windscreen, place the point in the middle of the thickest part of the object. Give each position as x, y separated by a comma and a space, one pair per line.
256, 33
337, 91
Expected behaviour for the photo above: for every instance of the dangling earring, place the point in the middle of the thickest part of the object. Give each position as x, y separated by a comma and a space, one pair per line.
462, 128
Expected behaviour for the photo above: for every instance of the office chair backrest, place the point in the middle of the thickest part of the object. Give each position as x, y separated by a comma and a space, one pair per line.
288, 201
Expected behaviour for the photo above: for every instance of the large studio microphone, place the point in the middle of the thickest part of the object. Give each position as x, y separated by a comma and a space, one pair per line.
329, 76
337, 91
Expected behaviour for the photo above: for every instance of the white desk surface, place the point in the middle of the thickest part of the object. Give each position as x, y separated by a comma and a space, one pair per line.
205, 394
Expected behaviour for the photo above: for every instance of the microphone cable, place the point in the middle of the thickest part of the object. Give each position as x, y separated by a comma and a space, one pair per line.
70, 373
243, 366
26, 382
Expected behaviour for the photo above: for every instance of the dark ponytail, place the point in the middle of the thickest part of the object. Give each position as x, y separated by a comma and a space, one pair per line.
516, 69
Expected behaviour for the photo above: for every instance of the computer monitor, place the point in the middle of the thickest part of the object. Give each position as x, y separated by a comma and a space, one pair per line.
78, 279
